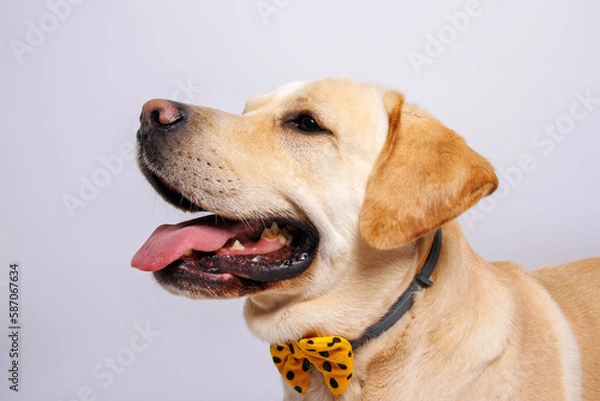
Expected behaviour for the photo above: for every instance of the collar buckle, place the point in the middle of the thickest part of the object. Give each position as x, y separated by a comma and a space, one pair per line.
424, 281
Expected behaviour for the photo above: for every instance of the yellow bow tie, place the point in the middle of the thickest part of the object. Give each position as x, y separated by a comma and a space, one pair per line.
332, 356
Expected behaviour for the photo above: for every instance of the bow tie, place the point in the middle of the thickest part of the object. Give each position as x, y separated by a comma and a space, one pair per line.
332, 356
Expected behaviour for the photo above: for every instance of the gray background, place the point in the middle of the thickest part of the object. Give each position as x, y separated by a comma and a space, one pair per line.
74, 77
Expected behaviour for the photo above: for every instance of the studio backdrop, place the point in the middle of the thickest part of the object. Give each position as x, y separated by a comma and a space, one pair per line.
519, 80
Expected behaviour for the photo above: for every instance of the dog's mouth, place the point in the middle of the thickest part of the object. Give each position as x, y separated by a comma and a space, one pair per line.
216, 256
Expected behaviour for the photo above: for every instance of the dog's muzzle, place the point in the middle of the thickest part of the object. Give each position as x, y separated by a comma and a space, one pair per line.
223, 255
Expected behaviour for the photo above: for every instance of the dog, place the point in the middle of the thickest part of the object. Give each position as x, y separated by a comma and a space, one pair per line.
329, 200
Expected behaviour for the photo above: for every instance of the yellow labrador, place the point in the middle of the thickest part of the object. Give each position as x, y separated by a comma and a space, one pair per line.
327, 196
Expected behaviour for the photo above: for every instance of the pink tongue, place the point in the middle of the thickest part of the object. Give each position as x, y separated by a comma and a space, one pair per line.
170, 242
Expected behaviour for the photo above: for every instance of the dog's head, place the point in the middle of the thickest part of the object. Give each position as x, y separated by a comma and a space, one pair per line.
305, 185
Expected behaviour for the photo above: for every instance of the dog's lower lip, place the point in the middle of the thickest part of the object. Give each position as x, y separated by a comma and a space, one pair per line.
214, 273
257, 268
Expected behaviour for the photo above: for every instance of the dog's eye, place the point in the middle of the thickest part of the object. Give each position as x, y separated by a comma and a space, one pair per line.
306, 123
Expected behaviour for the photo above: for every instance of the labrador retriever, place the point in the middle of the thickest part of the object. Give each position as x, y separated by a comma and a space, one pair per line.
334, 212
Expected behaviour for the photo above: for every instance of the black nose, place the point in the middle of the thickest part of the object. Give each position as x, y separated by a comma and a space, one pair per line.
160, 116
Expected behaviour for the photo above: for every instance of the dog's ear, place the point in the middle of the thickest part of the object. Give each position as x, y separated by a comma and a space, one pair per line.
425, 176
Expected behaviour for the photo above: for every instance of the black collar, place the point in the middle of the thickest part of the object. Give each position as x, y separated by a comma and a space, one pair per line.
405, 301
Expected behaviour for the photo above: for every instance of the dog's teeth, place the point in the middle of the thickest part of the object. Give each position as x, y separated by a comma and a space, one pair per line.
275, 233
237, 246
189, 253
284, 239
270, 233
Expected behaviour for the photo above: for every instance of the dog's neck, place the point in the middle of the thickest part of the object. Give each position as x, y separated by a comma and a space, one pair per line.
405, 301
430, 327
398, 302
